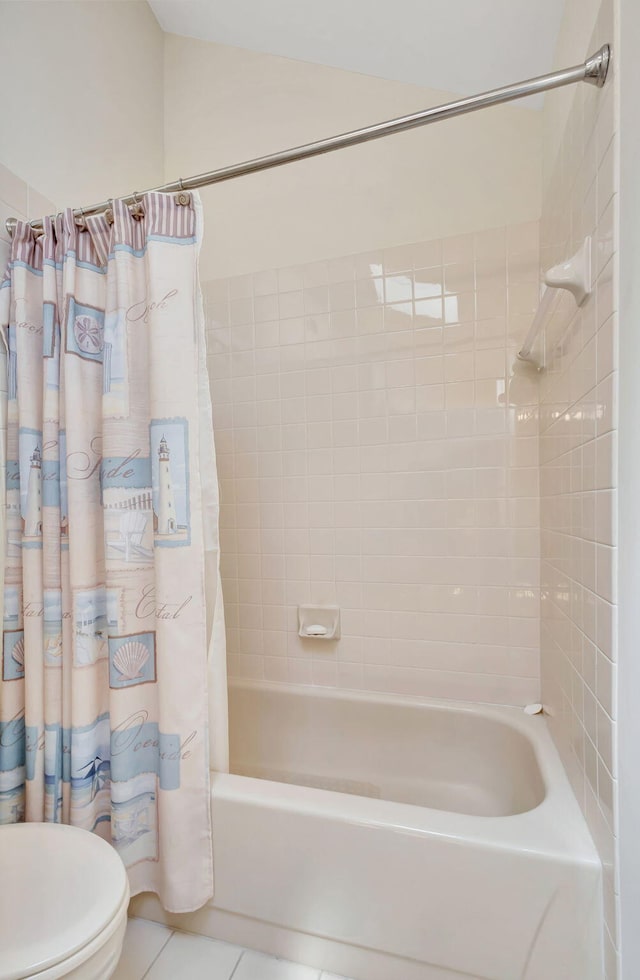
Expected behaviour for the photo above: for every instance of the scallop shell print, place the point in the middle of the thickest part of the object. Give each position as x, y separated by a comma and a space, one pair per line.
18, 654
129, 660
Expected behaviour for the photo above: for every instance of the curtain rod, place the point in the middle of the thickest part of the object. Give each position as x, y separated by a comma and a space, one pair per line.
593, 70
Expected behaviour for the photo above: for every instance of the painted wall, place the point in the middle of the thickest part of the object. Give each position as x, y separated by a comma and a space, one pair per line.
376, 451
574, 45
82, 109
225, 104
578, 462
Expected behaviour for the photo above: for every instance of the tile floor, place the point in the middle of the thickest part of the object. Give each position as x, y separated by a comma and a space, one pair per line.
154, 952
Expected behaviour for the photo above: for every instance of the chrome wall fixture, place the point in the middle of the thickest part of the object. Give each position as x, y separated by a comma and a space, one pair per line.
593, 70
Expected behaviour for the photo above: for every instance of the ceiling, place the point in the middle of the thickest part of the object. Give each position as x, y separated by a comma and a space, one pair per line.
460, 46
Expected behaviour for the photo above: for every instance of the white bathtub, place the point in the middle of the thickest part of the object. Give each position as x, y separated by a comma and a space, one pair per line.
392, 839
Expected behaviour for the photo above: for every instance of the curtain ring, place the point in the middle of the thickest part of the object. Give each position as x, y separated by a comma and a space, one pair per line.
137, 210
81, 222
108, 212
182, 197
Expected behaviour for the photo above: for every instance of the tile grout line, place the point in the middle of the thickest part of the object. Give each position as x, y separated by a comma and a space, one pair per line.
276, 958
243, 950
159, 953
233, 972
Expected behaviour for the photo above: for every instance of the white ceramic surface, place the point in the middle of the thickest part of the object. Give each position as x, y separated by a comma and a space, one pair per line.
153, 952
63, 903
579, 478
459, 760
373, 888
376, 451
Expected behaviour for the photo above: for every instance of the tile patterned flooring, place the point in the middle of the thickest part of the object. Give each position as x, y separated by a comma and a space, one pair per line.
154, 952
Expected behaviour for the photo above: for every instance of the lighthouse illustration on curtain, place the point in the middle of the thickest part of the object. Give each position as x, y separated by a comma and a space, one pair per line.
167, 523
33, 516
169, 440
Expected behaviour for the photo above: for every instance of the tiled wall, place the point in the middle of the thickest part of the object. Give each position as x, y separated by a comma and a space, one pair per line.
578, 409
376, 451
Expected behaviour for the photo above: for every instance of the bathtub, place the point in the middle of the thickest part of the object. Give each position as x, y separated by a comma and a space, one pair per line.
387, 838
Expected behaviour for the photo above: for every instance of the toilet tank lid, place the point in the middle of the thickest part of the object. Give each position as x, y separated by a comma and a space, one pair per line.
60, 888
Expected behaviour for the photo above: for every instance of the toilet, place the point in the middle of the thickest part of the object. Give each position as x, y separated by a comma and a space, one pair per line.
63, 903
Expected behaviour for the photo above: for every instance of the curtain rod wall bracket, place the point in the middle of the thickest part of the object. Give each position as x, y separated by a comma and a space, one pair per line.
594, 70
596, 67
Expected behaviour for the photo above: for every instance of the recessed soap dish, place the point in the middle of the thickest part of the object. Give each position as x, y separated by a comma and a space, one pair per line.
319, 622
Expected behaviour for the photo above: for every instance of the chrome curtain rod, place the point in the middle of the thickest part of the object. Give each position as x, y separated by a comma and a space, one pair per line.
594, 70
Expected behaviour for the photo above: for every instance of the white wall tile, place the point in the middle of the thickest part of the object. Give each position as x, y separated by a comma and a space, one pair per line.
578, 467
370, 460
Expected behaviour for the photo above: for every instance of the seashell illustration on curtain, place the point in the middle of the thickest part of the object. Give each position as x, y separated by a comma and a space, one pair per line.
18, 654
130, 659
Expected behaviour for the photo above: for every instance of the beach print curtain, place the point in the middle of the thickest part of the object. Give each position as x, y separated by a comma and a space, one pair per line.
111, 585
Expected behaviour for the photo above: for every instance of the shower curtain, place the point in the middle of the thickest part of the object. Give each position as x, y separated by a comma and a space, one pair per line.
111, 584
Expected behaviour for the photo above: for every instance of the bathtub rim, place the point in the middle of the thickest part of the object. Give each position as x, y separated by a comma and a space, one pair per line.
555, 827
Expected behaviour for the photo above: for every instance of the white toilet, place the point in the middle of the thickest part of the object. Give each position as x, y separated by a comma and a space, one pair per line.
63, 903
